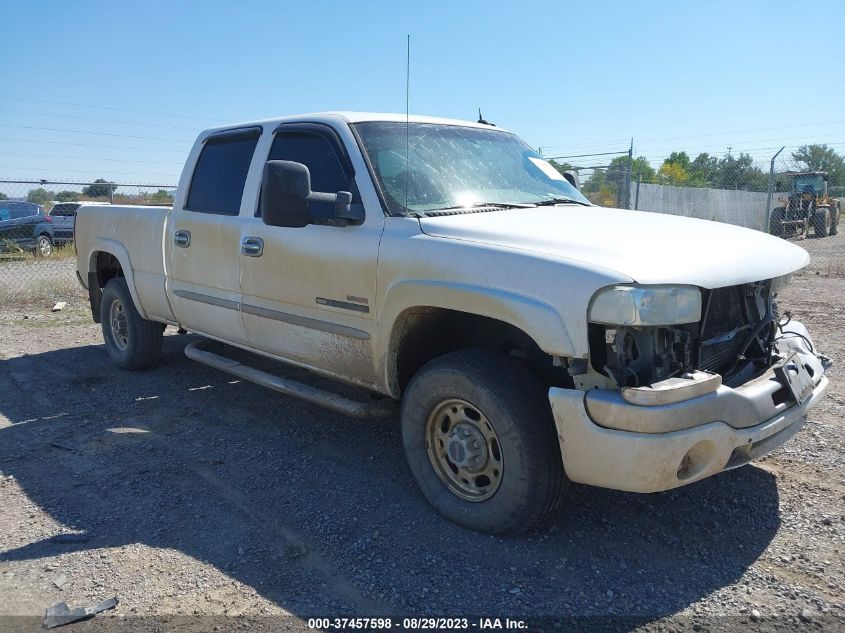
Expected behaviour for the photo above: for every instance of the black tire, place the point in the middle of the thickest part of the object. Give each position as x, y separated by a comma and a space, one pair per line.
834, 219
43, 246
775, 226
820, 223
517, 408
132, 341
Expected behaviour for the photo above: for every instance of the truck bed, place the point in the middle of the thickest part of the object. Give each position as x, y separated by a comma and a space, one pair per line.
136, 234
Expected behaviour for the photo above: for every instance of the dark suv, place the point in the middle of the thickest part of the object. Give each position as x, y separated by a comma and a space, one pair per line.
25, 227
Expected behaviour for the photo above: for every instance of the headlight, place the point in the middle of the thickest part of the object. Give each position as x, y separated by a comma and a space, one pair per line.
646, 305
779, 283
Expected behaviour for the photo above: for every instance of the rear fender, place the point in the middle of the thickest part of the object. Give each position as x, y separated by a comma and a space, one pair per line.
118, 250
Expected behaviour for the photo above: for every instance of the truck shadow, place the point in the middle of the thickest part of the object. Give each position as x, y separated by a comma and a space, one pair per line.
319, 513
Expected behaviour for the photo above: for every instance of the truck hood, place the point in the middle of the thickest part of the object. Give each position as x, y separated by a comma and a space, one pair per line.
650, 248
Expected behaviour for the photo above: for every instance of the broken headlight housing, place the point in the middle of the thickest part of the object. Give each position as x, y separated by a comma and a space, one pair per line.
646, 305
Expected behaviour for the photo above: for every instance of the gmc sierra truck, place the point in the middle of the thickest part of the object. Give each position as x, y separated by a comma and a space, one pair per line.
524, 337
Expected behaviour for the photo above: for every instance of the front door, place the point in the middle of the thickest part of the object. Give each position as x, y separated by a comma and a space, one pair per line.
308, 294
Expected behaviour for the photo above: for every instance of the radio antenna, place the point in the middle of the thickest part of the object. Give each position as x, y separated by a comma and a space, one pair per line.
407, 117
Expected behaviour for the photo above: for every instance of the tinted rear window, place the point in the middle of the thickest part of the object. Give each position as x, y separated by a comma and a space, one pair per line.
65, 209
17, 210
218, 181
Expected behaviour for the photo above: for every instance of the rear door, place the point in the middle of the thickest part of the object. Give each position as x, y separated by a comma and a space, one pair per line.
203, 238
62, 215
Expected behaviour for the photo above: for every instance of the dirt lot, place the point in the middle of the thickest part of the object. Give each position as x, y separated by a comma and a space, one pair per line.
198, 495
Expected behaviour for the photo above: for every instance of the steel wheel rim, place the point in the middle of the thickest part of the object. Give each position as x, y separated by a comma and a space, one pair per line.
464, 450
44, 246
119, 327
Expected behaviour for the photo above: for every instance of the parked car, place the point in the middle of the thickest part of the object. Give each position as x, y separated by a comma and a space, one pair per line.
25, 227
532, 338
63, 215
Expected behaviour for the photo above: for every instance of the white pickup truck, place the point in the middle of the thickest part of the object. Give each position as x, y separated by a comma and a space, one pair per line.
532, 338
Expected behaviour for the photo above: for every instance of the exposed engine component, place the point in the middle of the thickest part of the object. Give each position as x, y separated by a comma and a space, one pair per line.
737, 328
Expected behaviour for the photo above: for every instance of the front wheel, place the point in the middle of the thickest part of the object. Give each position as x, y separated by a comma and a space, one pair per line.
481, 442
821, 222
132, 341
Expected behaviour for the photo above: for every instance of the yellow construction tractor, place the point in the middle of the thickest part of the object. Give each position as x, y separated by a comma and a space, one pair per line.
808, 204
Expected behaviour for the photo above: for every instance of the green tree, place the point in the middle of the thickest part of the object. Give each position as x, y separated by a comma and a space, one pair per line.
703, 169
679, 158
3, 196
739, 172
162, 196
100, 189
612, 183
822, 158
68, 196
672, 174
641, 166
39, 196
561, 167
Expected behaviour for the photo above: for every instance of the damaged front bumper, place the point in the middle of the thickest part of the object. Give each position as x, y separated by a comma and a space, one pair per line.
606, 441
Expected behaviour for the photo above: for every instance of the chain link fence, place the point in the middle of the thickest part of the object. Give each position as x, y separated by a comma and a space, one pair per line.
37, 257
605, 177
781, 196
805, 207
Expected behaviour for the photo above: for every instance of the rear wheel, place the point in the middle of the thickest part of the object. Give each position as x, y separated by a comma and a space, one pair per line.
834, 219
481, 443
43, 246
775, 223
821, 222
132, 341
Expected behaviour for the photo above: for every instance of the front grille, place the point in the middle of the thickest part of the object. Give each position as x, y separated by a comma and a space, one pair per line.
724, 313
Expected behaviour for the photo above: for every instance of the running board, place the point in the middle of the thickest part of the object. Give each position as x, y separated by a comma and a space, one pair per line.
380, 409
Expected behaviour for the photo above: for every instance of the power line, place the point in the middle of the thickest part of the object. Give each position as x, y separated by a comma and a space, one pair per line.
89, 118
116, 160
59, 182
677, 138
742, 149
55, 129
762, 129
140, 149
101, 107
584, 155
89, 171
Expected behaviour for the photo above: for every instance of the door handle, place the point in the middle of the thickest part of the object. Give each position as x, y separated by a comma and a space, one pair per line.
182, 239
252, 246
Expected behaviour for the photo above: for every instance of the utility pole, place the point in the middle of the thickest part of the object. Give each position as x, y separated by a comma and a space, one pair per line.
627, 178
768, 226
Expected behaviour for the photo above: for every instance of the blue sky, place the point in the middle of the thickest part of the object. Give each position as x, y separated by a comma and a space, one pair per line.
572, 77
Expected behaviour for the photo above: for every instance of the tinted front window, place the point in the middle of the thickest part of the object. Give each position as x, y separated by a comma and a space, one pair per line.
317, 154
218, 182
424, 167
809, 184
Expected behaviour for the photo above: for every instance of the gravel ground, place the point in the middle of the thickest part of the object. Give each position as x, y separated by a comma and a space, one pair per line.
827, 253
198, 495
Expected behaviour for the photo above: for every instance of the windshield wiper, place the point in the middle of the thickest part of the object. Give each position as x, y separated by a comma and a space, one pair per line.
481, 205
553, 201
